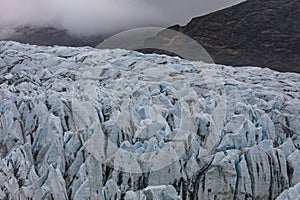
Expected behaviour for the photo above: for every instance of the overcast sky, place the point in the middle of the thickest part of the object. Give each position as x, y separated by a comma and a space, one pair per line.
103, 16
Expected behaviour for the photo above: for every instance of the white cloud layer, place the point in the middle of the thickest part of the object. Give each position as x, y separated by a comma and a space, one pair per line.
102, 16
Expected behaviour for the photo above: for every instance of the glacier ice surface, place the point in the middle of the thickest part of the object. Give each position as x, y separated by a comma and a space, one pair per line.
83, 123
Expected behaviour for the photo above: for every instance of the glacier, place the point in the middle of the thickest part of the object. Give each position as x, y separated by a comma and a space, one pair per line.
84, 123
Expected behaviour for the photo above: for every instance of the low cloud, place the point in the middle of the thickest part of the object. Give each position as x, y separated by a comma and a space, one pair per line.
88, 17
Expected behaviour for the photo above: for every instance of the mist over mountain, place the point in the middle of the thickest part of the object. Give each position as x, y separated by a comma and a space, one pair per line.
101, 17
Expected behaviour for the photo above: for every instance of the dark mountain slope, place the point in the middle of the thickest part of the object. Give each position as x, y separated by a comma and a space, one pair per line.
255, 32
52, 36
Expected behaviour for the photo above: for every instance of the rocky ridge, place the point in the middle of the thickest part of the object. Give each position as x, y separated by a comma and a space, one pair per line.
252, 33
82, 123
49, 36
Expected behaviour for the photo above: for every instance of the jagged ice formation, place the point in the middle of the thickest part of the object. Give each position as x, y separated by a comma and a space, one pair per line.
83, 123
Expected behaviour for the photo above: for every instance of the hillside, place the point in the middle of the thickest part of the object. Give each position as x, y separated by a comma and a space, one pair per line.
252, 33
